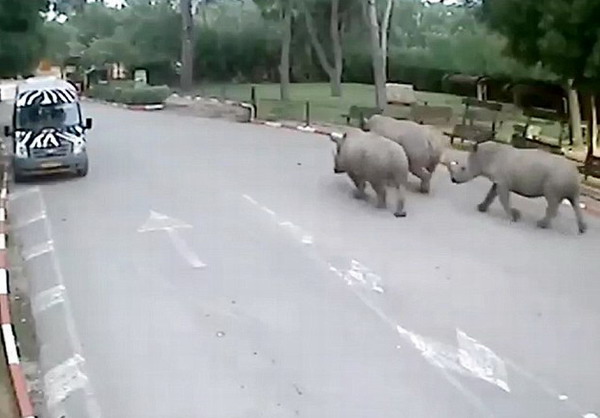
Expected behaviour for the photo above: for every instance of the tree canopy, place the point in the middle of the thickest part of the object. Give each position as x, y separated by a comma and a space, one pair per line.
21, 41
561, 34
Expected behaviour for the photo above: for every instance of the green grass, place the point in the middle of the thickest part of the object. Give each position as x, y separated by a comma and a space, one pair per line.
327, 109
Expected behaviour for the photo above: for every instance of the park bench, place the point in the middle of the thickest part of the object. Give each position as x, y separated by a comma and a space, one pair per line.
479, 121
591, 165
360, 113
524, 137
426, 114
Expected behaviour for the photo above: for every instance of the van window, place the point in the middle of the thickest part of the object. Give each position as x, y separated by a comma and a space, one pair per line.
49, 116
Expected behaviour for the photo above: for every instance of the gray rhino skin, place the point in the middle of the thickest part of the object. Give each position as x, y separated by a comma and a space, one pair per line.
526, 172
368, 157
420, 143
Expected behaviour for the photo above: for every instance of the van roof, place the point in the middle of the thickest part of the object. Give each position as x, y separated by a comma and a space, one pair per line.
45, 91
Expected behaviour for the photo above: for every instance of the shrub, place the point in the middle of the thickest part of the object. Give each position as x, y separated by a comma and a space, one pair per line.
144, 95
125, 92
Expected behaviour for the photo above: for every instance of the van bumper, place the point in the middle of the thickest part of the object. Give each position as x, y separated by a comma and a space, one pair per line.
72, 163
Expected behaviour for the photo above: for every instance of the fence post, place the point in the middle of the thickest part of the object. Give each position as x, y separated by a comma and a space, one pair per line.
253, 100
307, 113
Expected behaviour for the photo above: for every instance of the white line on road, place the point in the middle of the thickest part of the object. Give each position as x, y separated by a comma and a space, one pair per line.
359, 279
30, 221
184, 249
38, 250
159, 222
48, 298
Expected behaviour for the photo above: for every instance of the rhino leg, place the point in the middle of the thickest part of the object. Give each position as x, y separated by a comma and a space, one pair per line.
400, 212
578, 214
551, 212
504, 196
381, 195
425, 177
360, 184
489, 199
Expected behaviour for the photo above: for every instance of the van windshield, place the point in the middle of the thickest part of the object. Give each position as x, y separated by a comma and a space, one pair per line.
49, 116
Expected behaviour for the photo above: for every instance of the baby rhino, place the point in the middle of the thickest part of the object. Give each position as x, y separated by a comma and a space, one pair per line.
367, 157
420, 143
526, 172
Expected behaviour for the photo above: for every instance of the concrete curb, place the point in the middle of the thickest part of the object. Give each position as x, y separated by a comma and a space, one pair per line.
11, 346
147, 108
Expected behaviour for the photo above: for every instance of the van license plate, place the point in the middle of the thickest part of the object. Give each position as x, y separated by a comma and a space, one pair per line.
50, 165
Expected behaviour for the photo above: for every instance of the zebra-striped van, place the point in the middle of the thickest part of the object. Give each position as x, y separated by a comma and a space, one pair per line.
47, 128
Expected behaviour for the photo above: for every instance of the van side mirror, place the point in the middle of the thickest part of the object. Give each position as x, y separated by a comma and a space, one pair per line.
7, 131
88, 123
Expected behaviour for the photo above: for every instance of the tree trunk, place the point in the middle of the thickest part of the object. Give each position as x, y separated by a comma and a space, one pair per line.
187, 46
575, 114
286, 40
334, 71
385, 26
592, 131
377, 54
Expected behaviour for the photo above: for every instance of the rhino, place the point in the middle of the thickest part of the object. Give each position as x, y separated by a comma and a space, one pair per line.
527, 172
368, 157
421, 144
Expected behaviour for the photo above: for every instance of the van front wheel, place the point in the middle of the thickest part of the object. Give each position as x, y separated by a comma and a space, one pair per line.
83, 171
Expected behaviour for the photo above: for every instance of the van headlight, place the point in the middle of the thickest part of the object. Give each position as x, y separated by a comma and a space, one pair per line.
79, 147
21, 150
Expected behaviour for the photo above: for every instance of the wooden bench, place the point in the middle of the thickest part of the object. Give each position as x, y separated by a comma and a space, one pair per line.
591, 166
523, 139
478, 122
426, 114
360, 113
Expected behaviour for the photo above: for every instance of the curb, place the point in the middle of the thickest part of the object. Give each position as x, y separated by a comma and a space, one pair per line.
11, 346
153, 107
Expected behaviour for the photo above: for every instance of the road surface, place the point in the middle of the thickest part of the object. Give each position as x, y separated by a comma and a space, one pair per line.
270, 292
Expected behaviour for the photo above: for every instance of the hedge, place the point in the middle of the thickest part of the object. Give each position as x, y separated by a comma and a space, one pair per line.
127, 93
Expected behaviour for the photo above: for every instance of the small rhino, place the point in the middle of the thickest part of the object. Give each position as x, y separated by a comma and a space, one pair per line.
526, 172
368, 157
421, 144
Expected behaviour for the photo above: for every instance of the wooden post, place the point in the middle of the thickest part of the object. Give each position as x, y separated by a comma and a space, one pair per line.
307, 113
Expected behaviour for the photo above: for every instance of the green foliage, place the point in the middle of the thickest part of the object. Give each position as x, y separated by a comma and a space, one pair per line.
21, 41
561, 34
126, 92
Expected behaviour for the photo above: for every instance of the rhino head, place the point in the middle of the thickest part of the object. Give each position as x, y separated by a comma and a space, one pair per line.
467, 170
338, 140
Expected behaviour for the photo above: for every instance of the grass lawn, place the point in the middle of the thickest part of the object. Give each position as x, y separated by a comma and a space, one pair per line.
327, 109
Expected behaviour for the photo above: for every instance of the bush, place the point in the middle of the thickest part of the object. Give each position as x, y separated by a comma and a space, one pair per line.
125, 92
144, 95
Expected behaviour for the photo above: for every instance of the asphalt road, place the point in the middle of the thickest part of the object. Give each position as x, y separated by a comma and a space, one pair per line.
288, 298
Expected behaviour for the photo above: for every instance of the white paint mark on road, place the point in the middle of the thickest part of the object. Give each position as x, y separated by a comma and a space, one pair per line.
62, 380
159, 222
482, 362
590, 415
250, 199
268, 210
48, 298
38, 250
21, 193
30, 221
563, 397
359, 273
184, 249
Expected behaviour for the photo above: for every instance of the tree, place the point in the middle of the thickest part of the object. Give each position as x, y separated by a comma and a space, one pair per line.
21, 41
378, 36
283, 11
334, 66
187, 45
560, 34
